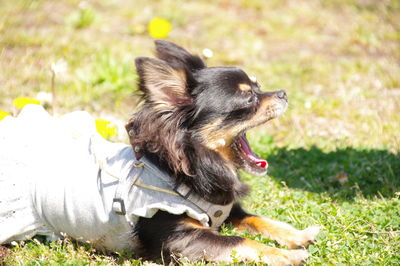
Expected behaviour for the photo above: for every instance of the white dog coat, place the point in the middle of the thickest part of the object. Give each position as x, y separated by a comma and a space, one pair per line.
58, 175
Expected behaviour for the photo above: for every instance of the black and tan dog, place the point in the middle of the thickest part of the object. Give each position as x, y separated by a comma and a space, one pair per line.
193, 123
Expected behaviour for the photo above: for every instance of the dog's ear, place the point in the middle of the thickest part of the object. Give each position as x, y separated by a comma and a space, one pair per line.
162, 85
178, 57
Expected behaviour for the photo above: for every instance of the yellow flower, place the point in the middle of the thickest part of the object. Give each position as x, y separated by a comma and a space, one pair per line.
22, 101
105, 129
159, 28
3, 114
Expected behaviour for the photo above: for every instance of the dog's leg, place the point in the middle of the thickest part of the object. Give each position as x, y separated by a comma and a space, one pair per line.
281, 232
167, 234
200, 242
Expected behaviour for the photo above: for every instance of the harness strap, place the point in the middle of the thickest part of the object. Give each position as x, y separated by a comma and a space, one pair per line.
216, 213
118, 204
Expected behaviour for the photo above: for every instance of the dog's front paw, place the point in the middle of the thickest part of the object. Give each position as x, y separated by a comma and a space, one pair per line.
252, 251
299, 238
283, 233
287, 257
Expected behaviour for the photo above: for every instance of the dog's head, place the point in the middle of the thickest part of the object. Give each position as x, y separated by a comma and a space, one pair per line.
194, 109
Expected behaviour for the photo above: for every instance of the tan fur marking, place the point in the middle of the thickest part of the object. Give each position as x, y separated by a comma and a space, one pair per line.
164, 83
244, 87
225, 152
212, 135
251, 250
281, 232
194, 223
208, 129
216, 138
268, 109
272, 229
261, 248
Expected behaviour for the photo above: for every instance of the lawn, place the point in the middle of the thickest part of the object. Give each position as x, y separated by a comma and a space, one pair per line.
334, 155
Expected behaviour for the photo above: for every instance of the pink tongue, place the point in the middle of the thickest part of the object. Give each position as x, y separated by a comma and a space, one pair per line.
262, 163
249, 153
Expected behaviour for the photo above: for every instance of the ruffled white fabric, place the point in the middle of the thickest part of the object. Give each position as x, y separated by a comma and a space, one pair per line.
30, 148
50, 182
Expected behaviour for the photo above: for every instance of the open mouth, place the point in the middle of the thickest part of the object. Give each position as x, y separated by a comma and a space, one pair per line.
252, 163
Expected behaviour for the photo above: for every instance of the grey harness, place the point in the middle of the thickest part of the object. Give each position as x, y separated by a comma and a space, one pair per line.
146, 186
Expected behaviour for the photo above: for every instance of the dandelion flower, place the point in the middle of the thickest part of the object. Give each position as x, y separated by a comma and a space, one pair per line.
20, 102
159, 28
105, 128
3, 114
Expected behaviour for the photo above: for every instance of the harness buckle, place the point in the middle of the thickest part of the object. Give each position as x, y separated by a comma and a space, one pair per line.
119, 208
138, 164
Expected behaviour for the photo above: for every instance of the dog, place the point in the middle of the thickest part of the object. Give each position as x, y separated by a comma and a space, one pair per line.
193, 123
165, 195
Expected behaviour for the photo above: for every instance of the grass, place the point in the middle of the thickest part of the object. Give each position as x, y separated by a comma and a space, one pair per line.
334, 155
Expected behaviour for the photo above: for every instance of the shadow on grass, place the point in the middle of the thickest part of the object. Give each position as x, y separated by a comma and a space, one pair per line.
367, 171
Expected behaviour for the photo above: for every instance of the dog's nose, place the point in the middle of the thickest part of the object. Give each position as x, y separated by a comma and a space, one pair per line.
281, 95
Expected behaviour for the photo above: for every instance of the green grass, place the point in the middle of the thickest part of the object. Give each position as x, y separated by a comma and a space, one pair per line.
337, 59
